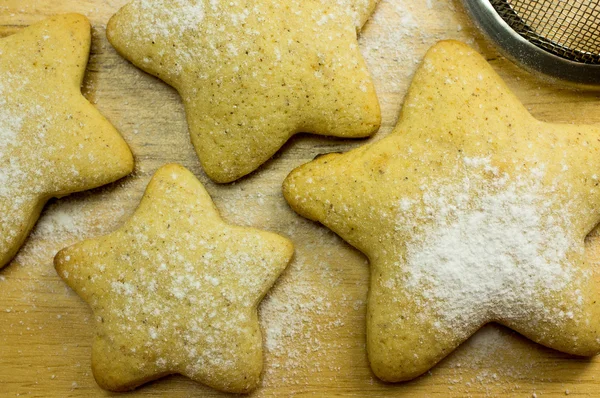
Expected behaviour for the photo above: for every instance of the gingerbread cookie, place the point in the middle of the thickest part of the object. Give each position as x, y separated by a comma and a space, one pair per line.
52, 140
176, 290
470, 212
253, 73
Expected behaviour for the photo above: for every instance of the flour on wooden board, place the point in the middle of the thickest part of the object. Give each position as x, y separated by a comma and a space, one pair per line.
396, 38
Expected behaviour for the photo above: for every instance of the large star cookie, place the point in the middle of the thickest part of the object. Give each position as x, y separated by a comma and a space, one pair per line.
470, 212
52, 140
176, 290
252, 73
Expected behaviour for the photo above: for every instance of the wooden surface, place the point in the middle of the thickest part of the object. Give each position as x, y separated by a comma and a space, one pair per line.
313, 319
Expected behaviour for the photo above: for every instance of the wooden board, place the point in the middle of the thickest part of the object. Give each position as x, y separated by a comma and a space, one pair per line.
314, 318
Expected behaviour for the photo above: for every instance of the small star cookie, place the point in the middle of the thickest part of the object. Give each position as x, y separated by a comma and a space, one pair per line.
254, 73
52, 140
176, 290
470, 212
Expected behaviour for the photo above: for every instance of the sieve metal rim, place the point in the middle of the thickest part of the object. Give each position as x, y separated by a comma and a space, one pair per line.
522, 52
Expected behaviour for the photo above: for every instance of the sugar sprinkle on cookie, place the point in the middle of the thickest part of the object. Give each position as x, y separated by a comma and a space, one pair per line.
176, 290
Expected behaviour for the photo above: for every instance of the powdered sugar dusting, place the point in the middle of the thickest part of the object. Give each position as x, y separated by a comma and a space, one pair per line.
358, 10
18, 188
10, 122
199, 30
170, 17
489, 255
306, 318
499, 361
398, 35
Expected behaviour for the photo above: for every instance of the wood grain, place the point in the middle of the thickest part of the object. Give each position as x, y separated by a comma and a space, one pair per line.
313, 319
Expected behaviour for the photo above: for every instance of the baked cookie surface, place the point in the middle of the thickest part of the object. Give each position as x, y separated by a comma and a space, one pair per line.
253, 73
176, 290
52, 140
470, 212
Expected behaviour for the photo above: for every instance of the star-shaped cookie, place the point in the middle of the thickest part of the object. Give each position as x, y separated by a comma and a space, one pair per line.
252, 73
176, 290
470, 212
52, 140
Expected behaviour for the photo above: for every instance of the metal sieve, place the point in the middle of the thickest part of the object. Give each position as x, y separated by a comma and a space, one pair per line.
560, 38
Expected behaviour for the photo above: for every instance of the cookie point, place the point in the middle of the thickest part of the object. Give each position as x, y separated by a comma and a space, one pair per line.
110, 29
289, 248
171, 167
61, 259
289, 184
172, 172
221, 176
76, 17
450, 46
72, 19
286, 250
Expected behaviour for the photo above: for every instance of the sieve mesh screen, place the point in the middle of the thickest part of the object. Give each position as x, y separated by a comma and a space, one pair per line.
567, 28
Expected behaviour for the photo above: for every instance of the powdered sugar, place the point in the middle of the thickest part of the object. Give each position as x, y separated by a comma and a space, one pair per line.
358, 10
17, 187
170, 17
306, 317
204, 35
398, 35
10, 122
497, 361
487, 249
